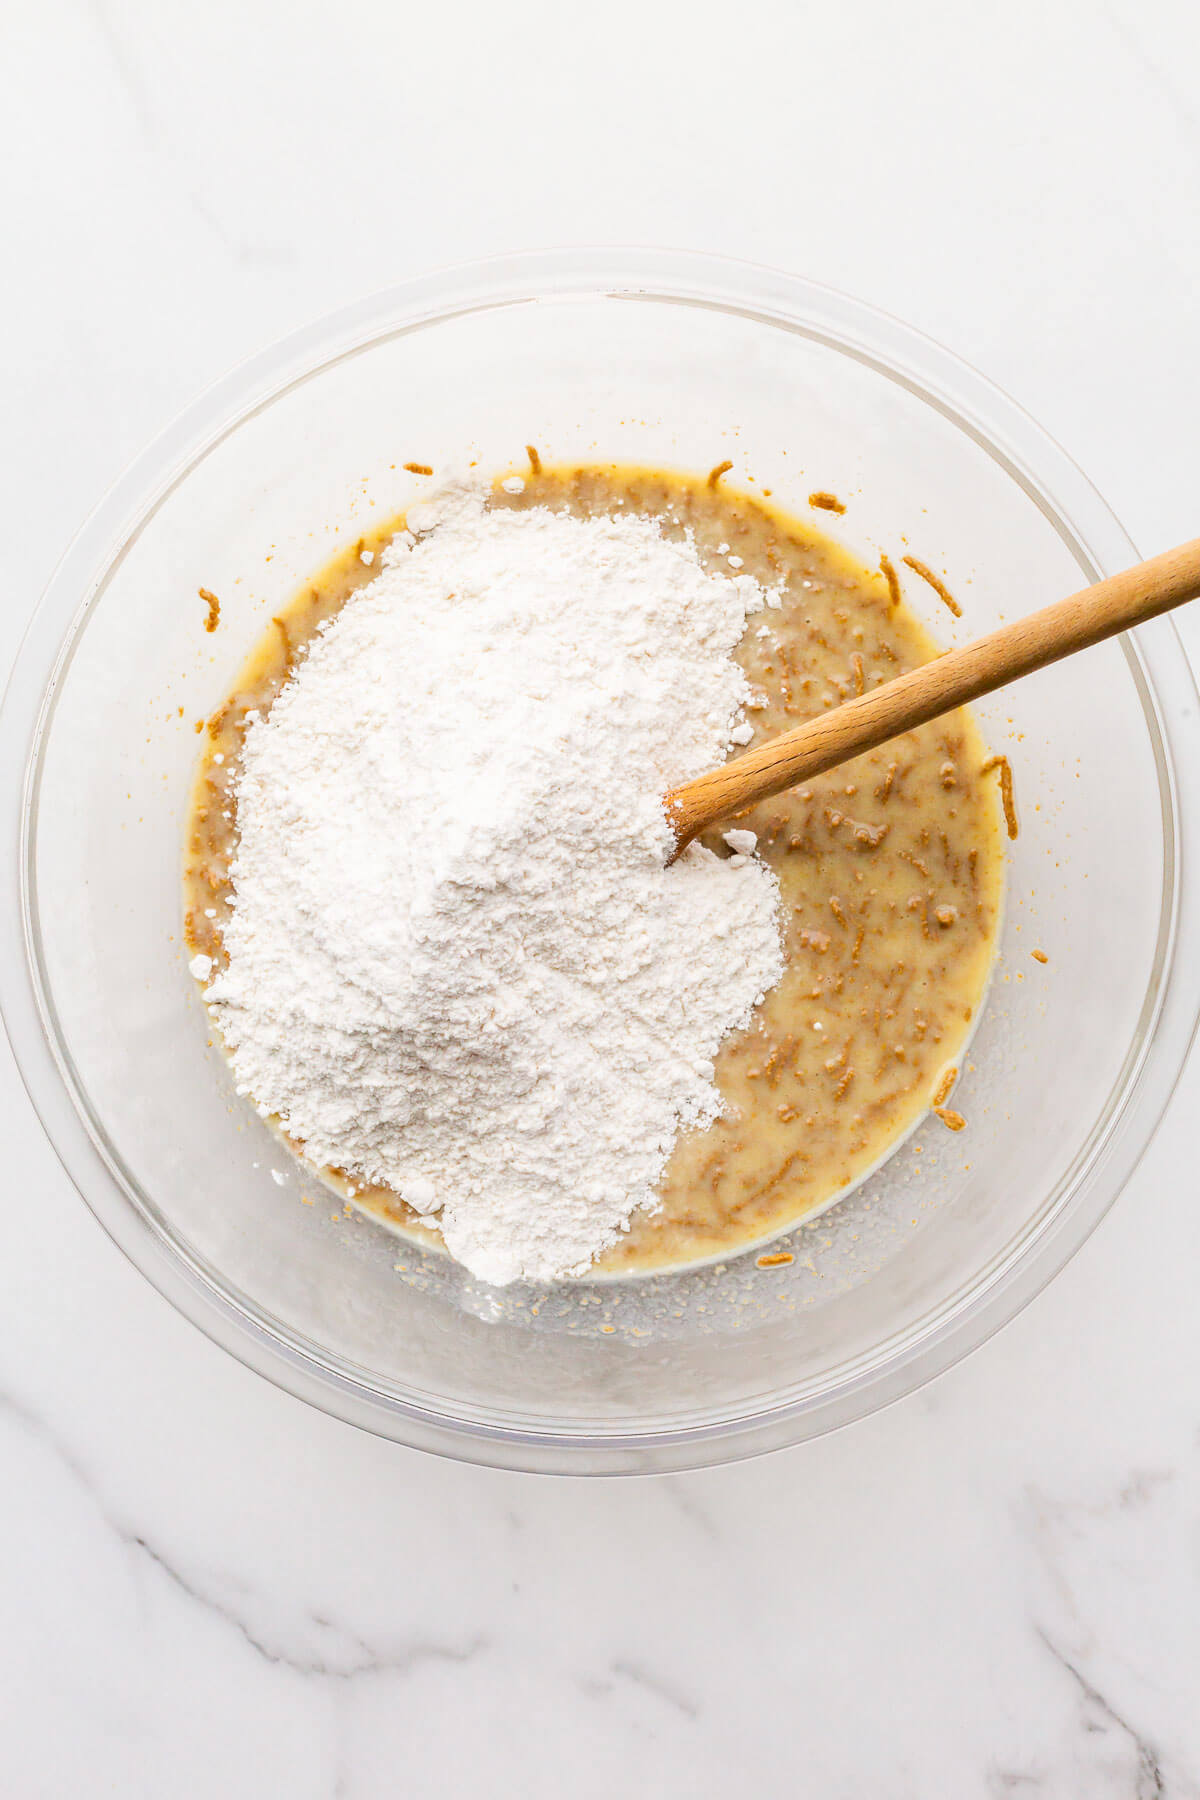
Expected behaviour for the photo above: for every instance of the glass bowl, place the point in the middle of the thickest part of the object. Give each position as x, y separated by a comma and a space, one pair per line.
640, 357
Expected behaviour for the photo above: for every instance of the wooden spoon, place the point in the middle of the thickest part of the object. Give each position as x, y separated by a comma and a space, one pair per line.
952, 679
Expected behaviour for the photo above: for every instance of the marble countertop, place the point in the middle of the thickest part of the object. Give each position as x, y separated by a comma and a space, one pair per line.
207, 1589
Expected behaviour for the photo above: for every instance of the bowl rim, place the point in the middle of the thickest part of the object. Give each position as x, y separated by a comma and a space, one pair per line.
1011, 438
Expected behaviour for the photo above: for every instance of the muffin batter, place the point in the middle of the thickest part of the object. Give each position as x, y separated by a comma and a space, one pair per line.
890, 873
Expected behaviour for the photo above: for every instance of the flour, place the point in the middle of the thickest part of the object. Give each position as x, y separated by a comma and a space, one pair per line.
458, 964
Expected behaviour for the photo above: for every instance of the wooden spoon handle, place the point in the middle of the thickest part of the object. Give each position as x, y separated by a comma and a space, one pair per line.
952, 679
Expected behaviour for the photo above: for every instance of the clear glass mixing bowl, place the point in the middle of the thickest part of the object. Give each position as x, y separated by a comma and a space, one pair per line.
667, 359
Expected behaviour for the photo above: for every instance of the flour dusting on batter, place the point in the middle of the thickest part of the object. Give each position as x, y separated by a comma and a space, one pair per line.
458, 966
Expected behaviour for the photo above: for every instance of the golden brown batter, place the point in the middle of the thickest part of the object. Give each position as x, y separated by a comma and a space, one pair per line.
890, 873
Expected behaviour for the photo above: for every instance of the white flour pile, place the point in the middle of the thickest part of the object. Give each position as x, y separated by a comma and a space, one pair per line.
457, 963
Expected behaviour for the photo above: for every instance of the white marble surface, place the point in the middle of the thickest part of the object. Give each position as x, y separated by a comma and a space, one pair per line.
205, 1588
